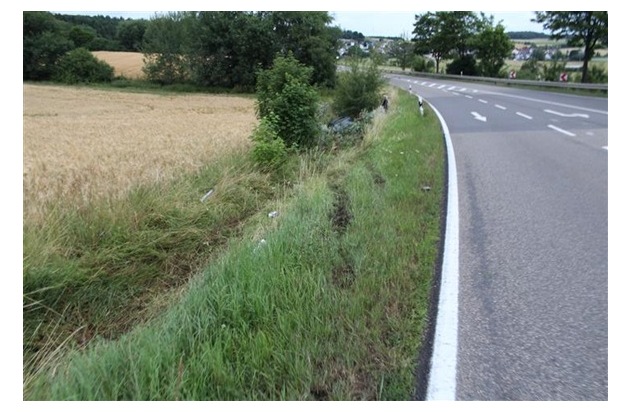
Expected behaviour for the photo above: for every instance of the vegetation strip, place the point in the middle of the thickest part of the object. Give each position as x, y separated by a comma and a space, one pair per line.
268, 320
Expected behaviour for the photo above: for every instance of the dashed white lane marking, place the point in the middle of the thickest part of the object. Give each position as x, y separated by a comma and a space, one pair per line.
584, 115
443, 370
456, 94
500, 107
463, 89
441, 86
557, 129
452, 88
483, 101
524, 115
468, 97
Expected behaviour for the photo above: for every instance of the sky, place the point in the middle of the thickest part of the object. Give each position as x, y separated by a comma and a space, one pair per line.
370, 23
388, 18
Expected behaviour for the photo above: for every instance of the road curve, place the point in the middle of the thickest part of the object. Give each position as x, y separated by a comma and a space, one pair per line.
532, 306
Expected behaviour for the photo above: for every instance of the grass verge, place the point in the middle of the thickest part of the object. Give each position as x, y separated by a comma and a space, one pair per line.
326, 301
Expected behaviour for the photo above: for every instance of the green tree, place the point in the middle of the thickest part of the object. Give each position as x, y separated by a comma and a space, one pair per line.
402, 51
43, 45
441, 32
581, 28
82, 35
130, 34
461, 27
228, 47
429, 38
285, 96
492, 46
358, 89
311, 40
164, 40
81, 66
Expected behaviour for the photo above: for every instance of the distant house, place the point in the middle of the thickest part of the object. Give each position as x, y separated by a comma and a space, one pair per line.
523, 53
345, 46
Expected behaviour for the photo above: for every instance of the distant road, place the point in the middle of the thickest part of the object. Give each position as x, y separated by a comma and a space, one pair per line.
532, 173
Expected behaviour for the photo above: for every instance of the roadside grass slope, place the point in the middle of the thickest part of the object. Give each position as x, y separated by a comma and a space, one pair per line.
326, 301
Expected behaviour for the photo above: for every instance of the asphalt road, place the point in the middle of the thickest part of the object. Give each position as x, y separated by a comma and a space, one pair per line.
532, 177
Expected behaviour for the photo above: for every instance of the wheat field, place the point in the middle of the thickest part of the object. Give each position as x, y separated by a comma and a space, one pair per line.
80, 143
127, 64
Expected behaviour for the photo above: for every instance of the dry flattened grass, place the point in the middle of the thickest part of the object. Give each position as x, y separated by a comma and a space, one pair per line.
127, 64
80, 144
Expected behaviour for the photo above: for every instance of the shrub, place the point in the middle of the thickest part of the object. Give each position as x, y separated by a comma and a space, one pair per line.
271, 82
80, 66
165, 68
358, 89
284, 90
551, 72
421, 64
466, 65
269, 151
530, 70
597, 74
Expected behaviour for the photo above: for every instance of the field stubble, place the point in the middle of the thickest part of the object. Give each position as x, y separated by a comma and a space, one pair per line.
80, 144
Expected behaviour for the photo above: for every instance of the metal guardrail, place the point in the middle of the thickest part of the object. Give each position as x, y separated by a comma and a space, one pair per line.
560, 85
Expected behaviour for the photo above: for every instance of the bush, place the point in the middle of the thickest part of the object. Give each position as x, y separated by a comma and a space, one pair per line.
551, 72
597, 74
358, 89
466, 65
269, 152
271, 82
80, 66
530, 70
421, 64
165, 68
285, 92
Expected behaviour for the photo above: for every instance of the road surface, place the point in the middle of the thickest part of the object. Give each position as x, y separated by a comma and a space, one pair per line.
532, 281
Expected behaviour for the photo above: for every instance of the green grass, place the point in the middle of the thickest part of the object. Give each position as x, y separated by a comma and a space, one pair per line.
332, 305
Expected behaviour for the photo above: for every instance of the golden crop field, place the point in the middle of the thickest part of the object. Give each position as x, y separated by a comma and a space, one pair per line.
81, 143
125, 64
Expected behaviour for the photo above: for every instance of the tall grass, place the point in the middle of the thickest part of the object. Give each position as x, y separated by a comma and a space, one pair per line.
328, 300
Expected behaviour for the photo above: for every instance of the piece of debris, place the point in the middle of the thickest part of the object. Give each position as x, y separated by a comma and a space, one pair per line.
207, 195
273, 214
261, 243
426, 188
341, 124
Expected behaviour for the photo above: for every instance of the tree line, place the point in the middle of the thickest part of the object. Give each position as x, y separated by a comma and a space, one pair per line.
205, 48
480, 47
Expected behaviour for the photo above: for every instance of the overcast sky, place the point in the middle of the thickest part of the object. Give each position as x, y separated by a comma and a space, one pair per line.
372, 18
370, 23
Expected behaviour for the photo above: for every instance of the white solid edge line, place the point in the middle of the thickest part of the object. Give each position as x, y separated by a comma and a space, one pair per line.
443, 370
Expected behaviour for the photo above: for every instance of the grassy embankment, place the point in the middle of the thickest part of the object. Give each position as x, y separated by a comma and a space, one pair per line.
331, 305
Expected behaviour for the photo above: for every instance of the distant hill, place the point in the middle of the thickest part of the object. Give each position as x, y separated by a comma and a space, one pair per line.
526, 35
